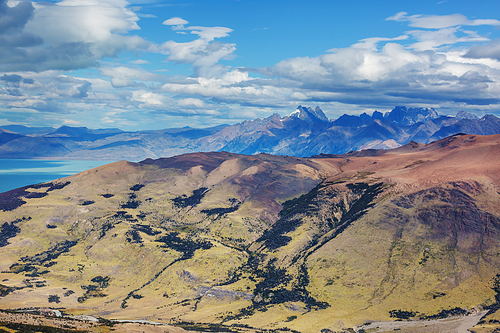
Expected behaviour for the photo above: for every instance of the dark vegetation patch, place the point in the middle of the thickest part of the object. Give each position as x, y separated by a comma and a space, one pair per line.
57, 186
68, 293
87, 202
30, 270
496, 288
293, 211
49, 264
40, 259
446, 313
107, 195
105, 227
443, 314
122, 215
95, 290
26, 328
10, 230
193, 200
11, 200
437, 295
133, 237
290, 218
136, 187
186, 246
219, 212
142, 215
132, 203
32, 283
202, 327
54, 299
35, 195
402, 314
146, 229
5, 290
272, 289
52, 253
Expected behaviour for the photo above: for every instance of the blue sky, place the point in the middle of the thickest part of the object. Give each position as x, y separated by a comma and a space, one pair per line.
149, 64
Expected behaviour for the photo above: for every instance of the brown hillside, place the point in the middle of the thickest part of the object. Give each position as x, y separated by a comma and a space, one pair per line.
230, 241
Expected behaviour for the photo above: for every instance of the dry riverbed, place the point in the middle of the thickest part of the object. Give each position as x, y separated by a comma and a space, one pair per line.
459, 324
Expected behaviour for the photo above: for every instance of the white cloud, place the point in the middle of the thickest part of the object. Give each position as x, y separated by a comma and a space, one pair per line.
489, 50
439, 21
203, 53
432, 64
139, 62
128, 77
210, 33
71, 122
193, 102
175, 21
149, 98
69, 34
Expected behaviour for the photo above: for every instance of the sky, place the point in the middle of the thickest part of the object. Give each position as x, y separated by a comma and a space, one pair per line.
150, 64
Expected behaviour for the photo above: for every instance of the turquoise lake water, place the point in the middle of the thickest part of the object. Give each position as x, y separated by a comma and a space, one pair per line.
17, 173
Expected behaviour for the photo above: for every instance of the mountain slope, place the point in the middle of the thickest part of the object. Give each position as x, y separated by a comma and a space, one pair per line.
263, 241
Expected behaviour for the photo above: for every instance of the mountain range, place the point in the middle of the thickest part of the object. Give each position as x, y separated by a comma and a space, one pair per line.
304, 132
228, 242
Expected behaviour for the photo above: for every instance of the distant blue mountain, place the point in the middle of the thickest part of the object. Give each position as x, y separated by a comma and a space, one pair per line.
303, 132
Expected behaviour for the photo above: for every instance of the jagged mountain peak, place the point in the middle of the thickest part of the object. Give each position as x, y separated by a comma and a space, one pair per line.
466, 115
308, 114
404, 116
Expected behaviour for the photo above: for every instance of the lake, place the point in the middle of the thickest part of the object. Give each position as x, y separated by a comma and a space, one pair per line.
17, 173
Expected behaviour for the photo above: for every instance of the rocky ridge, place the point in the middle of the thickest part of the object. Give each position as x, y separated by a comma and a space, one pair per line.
304, 132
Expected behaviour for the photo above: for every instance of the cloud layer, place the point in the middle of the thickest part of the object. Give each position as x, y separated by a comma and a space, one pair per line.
439, 61
71, 34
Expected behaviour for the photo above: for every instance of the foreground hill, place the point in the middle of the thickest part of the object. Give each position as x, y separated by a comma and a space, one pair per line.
304, 132
264, 242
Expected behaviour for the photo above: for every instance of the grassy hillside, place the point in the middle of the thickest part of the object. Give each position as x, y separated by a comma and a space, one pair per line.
262, 241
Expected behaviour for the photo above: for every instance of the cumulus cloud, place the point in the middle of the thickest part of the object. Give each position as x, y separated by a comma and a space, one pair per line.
14, 17
421, 67
12, 79
489, 50
391, 74
439, 21
70, 34
12, 36
177, 21
203, 53
129, 77
431, 64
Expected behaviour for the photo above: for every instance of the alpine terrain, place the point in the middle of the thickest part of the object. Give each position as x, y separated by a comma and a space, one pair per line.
304, 132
